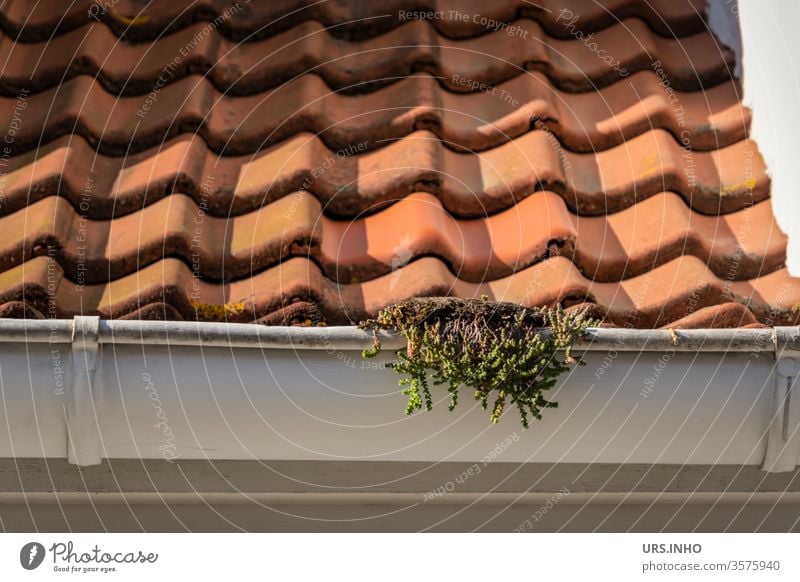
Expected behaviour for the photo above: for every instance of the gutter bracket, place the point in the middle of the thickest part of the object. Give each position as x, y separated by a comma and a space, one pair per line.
783, 434
83, 406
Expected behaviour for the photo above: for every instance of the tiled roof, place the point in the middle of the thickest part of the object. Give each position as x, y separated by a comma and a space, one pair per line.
295, 160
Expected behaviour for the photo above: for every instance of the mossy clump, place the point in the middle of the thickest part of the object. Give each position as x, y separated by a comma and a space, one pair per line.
504, 351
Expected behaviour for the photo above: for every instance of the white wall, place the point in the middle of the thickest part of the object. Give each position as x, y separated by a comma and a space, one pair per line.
770, 55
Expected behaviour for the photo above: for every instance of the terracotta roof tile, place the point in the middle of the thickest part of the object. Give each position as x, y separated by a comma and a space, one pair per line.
604, 248
663, 295
718, 316
320, 161
476, 121
469, 184
460, 65
242, 125
138, 20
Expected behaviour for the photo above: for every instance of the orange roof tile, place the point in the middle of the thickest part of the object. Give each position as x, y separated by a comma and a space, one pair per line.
283, 161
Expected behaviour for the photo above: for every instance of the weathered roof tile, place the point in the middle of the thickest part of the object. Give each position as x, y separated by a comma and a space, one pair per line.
289, 161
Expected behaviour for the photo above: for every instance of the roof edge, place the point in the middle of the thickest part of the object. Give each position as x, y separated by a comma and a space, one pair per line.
243, 335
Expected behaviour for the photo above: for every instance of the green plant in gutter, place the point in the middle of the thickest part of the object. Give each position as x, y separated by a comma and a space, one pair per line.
507, 353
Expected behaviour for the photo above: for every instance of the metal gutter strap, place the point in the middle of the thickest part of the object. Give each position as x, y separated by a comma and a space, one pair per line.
783, 436
82, 405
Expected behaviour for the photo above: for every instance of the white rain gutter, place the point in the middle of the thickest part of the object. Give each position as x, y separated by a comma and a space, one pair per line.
86, 398
244, 335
